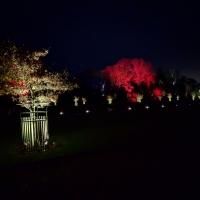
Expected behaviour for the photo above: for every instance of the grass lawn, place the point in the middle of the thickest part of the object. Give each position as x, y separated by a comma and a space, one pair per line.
72, 134
107, 156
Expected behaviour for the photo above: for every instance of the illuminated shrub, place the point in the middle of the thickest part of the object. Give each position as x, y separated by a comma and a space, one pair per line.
193, 95
84, 100
109, 99
139, 97
169, 96
159, 93
76, 100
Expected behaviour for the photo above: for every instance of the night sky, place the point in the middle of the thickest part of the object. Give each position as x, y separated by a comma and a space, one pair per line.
94, 34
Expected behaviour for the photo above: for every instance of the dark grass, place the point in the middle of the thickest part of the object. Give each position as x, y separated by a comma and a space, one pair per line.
143, 155
71, 133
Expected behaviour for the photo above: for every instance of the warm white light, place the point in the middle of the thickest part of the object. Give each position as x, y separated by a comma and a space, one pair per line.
87, 111
129, 108
147, 107
61, 113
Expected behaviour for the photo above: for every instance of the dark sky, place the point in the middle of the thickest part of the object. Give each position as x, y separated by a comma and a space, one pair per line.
94, 34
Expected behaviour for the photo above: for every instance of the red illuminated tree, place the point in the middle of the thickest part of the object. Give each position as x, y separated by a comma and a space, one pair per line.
142, 72
120, 74
128, 71
159, 93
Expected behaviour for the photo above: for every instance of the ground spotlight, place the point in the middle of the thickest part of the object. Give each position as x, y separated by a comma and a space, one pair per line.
61, 113
147, 107
87, 111
45, 142
162, 106
129, 108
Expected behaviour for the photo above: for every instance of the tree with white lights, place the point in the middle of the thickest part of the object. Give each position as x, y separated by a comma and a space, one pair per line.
24, 78
139, 97
169, 96
84, 100
76, 99
109, 98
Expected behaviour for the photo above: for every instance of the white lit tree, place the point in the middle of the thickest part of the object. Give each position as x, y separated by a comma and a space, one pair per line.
169, 96
76, 99
109, 98
193, 92
27, 81
24, 78
139, 97
84, 100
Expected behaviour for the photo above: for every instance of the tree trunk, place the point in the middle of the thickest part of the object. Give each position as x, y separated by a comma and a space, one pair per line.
33, 122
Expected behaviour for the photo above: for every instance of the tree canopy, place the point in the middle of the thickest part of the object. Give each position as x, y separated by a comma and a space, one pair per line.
24, 77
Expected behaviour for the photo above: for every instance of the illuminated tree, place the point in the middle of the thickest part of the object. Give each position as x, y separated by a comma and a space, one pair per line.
120, 74
84, 100
159, 93
142, 72
194, 92
27, 82
169, 96
128, 71
139, 98
109, 98
76, 100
